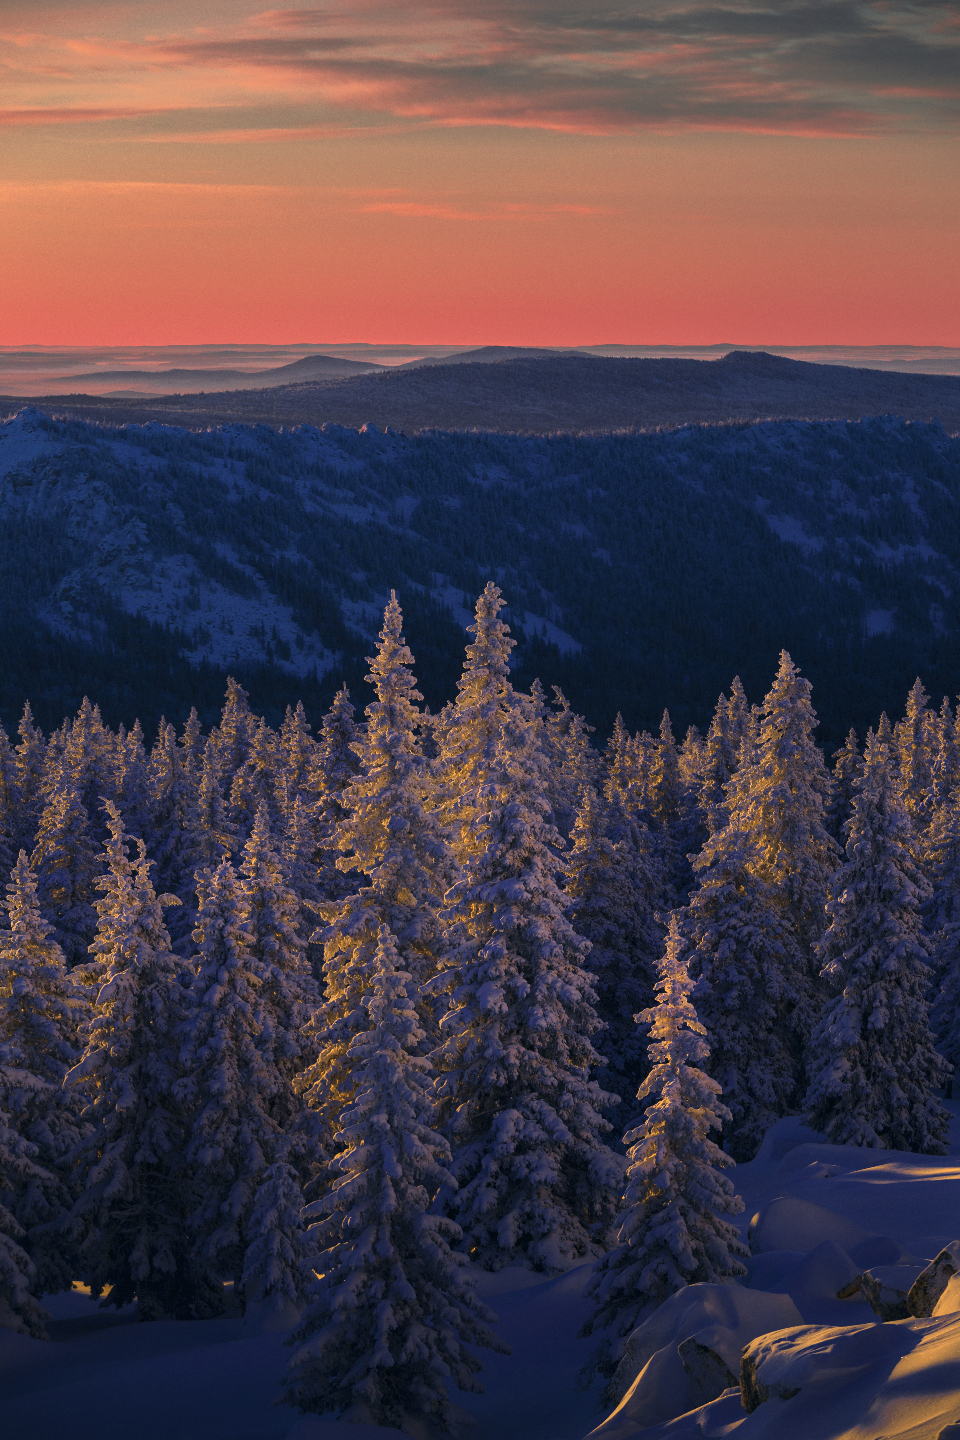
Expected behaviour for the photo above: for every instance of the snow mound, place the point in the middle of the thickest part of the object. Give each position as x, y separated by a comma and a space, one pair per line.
895, 1379
688, 1351
790, 1224
821, 1275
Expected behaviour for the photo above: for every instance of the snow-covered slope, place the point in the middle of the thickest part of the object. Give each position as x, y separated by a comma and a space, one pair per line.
818, 1215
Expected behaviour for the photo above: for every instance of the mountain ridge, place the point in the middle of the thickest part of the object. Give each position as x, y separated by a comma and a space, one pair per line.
560, 393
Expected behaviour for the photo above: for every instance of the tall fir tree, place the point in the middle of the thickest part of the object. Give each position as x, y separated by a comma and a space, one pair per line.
945, 761
335, 766
393, 1311
469, 731
872, 1063
40, 1010
173, 784
134, 787
720, 759
916, 745
389, 836
619, 777
136, 1195
615, 886
230, 1084
289, 994
742, 954
277, 1263
941, 853
258, 783
296, 749
847, 766
20, 1309
572, 762
66, 863
30, 760
9, 802
537, 1182
779, 799
670, 1230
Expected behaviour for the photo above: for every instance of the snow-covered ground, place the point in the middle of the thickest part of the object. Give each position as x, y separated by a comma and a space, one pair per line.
825, 1214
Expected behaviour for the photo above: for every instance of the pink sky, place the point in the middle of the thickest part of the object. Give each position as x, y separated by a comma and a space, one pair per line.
477, 173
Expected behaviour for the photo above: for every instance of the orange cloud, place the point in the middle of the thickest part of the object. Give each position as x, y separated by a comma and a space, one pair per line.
66, 116
816, 67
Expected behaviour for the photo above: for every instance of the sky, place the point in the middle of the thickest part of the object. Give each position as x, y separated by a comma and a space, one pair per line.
536, 172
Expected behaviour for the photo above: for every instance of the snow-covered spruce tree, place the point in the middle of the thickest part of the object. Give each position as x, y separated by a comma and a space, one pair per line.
192, 744
296, 750
916, 745
230, 1084
276, 1263
20, 1310
173, 784
537, 1182
136, 1197
872, 1063
334, 768
257, 783
742, 954
665, 777
941, 852
393, 1311
847, 765
387, 835
778, 801
297, 850
134, 782
66, 863
30, 754
615, 886
691, 828
40, 1010
619, 770
288, 996
740, 715
469, 731
945, 764
89, 764
210, 834
669, 1231
234, 737
572, 762
9, 802
720, 760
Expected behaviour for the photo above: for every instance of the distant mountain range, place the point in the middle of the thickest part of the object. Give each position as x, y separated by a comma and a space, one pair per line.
543, 392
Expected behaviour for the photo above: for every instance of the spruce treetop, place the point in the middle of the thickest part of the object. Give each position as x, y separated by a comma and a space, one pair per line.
778, 797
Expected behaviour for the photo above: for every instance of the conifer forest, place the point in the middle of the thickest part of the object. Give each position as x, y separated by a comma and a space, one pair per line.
324, 1022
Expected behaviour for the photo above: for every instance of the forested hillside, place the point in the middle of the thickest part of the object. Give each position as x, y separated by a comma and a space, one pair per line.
317, 1025
144, 563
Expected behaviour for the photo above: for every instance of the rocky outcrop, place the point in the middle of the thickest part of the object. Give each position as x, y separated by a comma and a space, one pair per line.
886, 1288
930, 1284
707, 1369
